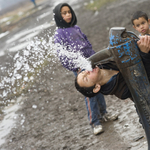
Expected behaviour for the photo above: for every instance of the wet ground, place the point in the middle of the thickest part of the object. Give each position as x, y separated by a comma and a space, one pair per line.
50, 114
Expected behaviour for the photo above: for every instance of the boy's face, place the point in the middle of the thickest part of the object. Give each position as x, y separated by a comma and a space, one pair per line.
66, 14
88, 78
142, 25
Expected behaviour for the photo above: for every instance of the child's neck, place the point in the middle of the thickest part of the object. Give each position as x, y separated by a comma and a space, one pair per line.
106, 75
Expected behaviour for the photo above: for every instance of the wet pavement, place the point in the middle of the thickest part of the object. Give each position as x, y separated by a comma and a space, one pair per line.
51, 114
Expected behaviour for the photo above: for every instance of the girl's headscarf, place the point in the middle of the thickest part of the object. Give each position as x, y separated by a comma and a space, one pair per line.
60, 22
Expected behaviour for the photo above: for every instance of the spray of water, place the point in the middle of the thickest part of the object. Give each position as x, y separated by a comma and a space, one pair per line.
74, 57
29, 61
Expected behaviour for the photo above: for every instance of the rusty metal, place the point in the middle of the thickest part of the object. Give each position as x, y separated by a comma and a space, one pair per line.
124, 51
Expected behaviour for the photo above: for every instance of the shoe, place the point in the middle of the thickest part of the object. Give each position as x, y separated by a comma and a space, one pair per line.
109, 117
98, 129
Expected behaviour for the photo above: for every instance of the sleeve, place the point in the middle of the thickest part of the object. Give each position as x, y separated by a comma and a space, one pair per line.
66, 57
83, 35
146, 61
145, 56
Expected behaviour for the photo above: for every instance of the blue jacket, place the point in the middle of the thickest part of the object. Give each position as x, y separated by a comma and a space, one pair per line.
75, 41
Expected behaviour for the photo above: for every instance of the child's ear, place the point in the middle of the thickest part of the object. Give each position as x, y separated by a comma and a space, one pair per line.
97, 88
134, 27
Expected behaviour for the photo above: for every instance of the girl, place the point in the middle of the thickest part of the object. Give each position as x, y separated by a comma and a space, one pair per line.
70, 37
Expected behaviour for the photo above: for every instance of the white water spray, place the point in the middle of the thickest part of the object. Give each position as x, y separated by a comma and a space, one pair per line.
30, 59
73, 57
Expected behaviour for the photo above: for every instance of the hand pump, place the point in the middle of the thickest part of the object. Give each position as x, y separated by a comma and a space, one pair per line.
124, 51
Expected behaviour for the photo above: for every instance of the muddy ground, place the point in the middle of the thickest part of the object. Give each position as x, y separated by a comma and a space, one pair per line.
52, 115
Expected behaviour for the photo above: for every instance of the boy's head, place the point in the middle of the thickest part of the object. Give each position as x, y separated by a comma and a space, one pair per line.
87, 83
64, 16
141, 22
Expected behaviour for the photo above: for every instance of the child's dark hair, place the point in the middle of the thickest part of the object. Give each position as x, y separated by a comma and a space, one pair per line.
86, 91
139, 14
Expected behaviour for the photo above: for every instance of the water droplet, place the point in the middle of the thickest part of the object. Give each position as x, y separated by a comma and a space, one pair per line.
34, 106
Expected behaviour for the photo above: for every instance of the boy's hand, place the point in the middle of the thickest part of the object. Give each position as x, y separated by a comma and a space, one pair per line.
144, 43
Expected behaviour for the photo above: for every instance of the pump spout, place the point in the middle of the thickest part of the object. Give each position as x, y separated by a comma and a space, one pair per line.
103, 56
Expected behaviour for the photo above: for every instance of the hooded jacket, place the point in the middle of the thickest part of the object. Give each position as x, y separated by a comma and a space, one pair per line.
70, 37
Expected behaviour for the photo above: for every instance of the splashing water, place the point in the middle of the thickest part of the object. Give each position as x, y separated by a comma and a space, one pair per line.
27, 62
78, 59
30, 60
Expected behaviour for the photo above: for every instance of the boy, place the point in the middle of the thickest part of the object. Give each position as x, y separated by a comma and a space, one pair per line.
107, 79
141, 23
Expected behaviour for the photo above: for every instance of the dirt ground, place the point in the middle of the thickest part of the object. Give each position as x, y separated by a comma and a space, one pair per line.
52, 114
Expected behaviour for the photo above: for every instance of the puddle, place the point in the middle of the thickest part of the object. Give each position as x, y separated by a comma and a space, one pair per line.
2, 53
24, 36
18, 47
28, 31
4, 34
9, 120
129, 123
44, 15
